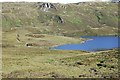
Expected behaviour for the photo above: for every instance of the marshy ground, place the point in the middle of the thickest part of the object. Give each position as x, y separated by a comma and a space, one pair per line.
37, 61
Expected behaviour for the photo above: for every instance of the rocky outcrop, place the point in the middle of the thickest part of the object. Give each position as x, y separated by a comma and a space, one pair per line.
46, 6
57, 19
99, 16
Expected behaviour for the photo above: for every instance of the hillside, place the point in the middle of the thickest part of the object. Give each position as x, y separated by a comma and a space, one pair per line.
30, 30
61, 19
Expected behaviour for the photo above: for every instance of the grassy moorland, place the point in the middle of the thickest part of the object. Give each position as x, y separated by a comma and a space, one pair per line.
62, 19
28, 33
26, 62
37, 61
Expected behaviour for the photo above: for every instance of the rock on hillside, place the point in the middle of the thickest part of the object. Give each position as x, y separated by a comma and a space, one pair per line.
46, 6
62, 19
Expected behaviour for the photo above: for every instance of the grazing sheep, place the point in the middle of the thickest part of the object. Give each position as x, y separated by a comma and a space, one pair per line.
28, 45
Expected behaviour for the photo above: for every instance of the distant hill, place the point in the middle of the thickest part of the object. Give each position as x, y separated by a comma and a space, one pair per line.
116, 1
62, 19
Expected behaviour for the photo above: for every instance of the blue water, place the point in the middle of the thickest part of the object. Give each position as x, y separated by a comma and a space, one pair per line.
96, 43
